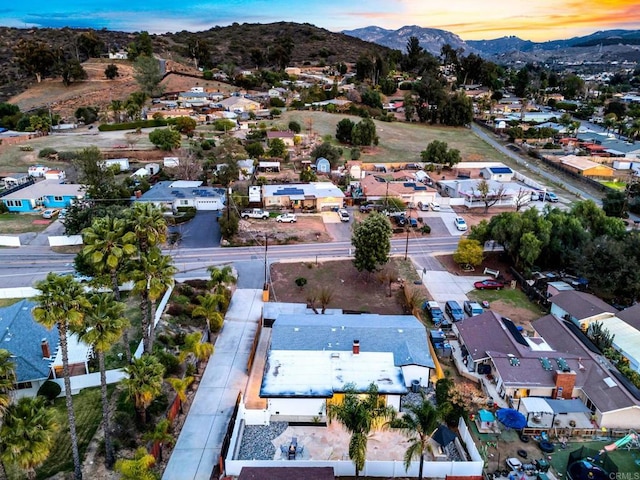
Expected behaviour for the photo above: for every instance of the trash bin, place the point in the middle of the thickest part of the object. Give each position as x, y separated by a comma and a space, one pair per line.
415, 386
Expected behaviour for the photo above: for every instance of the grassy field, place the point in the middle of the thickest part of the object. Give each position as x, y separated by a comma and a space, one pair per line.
88, 410
616, 185
515, 297
624, 459
399, 141
16, 223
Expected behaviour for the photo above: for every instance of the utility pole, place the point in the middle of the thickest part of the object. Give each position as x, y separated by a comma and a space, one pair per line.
228, 203
266, 246
406, 247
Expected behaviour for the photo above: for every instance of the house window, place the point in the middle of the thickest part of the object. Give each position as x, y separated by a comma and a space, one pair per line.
23, 385
184, 202
14, 203
57, 199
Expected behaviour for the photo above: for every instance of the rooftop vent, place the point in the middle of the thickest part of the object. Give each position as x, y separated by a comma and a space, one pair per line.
610, 382
546, 364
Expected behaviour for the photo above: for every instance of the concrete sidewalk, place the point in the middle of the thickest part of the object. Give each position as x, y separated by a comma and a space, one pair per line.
198, 446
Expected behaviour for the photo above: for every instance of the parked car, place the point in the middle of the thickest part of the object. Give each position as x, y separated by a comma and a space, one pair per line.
255, 213
460, 224
551, 197
454, 310
489, 284
423, 206
49, 213
413, 222
514, 464
366, 208
79, 277
535, 196
344, 215
472, 308
63, 214
286, 217
435, 206
433, 310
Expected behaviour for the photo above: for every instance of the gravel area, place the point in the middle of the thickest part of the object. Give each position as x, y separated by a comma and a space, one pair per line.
257, 441
415, 398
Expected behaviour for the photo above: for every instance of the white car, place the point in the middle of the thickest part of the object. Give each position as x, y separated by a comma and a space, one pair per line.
460, 224
514, 464
344, 215
49, 213
435, 206
286, 217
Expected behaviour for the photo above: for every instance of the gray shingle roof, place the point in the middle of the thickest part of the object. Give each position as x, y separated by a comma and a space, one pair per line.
21, 335
403, 335
581, 304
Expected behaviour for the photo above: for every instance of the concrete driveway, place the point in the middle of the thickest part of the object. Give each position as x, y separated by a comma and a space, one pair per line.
201, 232
340, 231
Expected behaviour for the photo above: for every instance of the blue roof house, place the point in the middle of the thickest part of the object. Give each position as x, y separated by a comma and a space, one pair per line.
35, 349
313, 359
41, 195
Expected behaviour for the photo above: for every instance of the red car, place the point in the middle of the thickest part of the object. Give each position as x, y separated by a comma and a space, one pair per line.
489, 284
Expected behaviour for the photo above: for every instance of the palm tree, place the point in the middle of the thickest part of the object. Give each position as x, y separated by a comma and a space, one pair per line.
153, 275
148, 224
418, 424
108, 247
359, 414
7, 379
138, 467
144, 383
220, 277
104, 324
62, 303
193, 345
161, 435
116, 107
209, 308
180, 386
28, 434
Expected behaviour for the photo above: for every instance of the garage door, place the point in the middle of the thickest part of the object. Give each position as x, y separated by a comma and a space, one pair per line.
202, 204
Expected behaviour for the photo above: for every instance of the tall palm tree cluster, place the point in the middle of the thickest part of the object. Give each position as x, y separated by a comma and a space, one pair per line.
116, 250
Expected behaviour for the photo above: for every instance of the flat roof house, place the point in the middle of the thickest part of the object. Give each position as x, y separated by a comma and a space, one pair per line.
316, 196
184, 193
44, 194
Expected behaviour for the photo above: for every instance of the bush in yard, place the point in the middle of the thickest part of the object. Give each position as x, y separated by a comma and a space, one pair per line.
47, 152
170, 362
49, 390
469, 253
301, 282
425, 229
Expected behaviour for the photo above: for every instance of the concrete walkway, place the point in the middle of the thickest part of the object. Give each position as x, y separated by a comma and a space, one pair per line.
198, 446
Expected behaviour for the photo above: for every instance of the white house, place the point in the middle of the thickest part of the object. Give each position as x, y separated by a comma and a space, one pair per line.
183, 193
122, 163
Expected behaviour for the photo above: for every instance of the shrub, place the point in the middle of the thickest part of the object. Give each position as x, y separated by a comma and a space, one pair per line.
301, 282
26, 148
112, 127
425, 229
175, 310
67, 156
50, 390
170, 362
47, 152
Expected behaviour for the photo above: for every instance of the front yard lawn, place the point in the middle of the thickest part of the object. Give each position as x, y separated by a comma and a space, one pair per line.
16, 223
88, 410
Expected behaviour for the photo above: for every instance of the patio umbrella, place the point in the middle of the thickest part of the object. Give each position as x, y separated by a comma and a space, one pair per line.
443, 436
511, 418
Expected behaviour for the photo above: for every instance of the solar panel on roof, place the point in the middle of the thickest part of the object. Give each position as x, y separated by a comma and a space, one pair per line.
515, 333
500, 170
420, 187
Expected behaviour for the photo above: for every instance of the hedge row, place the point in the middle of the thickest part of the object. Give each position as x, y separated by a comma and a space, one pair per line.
111, 127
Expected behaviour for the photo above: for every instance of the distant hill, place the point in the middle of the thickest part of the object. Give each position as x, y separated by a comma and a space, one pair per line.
512, 47
229, 45
431, 39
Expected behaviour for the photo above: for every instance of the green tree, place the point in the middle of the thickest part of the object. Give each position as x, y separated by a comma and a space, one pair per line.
372, 241
468, 253
111, 72
153, 274
185, 125
418, 422
364, 133
487, 195
193, 345
295, 126
148, 224
104, 325
35, 58
221, 278
161, 433
343, 130
254, 150
229, 223
307, 174
277, 148
7, 379
438, 152
165, 138
28, 434
144, 383
614, 204
409, 107
148, 75
530, 248
359, 414
142, 45
62, 303
327, 151
72, 71
137, 468
99, 183
180, 386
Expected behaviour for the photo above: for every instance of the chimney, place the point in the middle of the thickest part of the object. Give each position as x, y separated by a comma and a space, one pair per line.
565, 382
356, 347
46, 351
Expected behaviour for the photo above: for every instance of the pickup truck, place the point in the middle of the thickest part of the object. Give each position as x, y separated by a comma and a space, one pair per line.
255, 213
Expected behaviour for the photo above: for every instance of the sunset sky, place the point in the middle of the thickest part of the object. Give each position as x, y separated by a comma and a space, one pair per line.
536, 20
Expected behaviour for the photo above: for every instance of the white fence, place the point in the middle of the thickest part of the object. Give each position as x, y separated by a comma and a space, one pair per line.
7, 241
18, 292
90, 380
62, 240
159, 310
467, 439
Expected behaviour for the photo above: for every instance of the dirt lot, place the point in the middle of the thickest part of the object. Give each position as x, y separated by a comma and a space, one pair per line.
308, 228
347, 284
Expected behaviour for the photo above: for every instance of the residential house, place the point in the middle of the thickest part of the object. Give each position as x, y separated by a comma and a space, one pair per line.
376, 188
312, 359
193, 99
43, 194
35, 349
54, 174
122, 163
505, 194
316, 196
576, 306
268, 167
14, 179
239, 104
556, 362
498, 173
183, 193
37, 170
287, 137
585, 167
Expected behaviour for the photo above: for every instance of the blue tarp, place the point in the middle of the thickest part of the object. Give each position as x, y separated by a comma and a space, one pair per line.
511, 418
